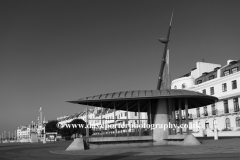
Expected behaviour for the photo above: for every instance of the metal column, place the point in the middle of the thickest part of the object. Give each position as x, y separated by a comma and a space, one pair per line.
87, 129
180, 114
150, 115
127, 117
173, 117
101, 120
139, 118
115, 134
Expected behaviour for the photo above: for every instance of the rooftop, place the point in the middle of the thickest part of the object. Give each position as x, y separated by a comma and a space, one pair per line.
107, 100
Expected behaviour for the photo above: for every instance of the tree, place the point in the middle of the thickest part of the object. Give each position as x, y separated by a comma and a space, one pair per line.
51, 126
65, 132
80, 129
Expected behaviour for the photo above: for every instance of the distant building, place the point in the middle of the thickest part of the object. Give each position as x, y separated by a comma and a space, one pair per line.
221, 82
107, 115
23, 132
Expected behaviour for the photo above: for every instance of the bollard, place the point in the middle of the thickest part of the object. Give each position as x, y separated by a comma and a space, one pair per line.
215, 134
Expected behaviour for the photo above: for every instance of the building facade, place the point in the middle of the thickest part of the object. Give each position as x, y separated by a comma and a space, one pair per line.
222, 82
24, 132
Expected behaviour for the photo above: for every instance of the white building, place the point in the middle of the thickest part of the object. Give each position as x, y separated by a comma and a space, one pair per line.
23, 132
221, 82
107, 115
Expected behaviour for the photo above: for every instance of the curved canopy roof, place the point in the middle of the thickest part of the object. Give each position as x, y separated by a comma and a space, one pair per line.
195, 99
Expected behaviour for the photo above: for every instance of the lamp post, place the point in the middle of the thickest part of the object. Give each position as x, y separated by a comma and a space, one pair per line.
31, 126
44, 130
40, 110
4, 136
34, 126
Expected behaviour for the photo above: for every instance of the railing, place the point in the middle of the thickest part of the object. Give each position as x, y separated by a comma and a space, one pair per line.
121, 133
217, 112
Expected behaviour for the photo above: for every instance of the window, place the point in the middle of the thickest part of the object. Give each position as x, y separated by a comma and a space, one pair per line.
235, 104
234, 70
226, 109
175, 87
126, 114
183, 86
135, 113
212, 90
199, 124
204, 91
225, 73
227, 121
199, 81
214, 123
198, 112
205, 111
211, 77
234, 84
224, 87
237, 122
213, 109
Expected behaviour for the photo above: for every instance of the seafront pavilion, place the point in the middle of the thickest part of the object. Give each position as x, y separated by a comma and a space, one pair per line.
160, 106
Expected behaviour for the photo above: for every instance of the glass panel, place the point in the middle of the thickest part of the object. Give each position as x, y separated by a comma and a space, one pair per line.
226, 109
226, 72
235, 104
234, 84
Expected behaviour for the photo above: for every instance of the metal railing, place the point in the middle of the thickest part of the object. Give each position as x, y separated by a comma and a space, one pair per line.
217, 112
121, 133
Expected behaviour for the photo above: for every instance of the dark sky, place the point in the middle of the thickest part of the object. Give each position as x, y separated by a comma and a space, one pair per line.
54, 51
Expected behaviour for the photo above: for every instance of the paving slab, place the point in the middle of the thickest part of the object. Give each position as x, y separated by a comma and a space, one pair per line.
207, 147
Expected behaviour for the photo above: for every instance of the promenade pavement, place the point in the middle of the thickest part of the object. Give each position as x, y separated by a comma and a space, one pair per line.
223, 149
207, 147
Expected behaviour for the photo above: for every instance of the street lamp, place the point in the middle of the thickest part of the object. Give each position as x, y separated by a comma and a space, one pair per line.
15, 135
44, 130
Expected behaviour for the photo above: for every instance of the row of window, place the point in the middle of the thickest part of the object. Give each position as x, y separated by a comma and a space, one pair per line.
209, 78
227, 123
183, 86
227, 72
224, 87
235, 105
226, 108
121, 115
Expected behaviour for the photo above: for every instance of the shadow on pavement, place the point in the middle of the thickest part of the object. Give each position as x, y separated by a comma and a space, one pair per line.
117, 156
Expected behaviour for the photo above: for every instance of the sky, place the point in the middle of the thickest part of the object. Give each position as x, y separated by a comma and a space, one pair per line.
54, 51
